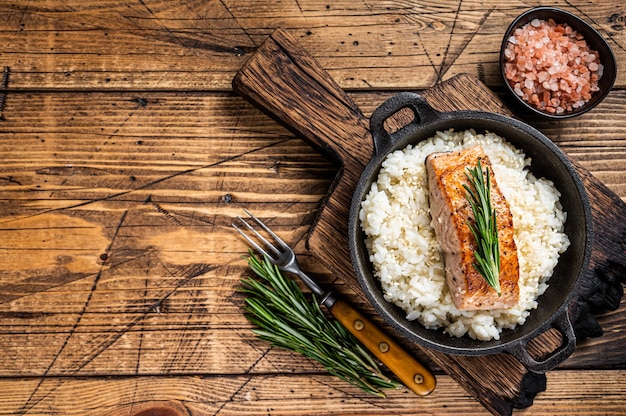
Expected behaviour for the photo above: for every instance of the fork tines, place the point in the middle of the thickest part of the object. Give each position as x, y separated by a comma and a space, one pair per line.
267, 243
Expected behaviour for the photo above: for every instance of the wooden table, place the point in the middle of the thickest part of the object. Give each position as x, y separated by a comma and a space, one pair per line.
125, 155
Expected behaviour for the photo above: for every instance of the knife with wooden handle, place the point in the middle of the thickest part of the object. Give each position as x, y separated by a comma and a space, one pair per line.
411, 372
406, 368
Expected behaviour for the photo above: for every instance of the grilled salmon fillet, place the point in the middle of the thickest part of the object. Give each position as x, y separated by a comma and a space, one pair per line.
449, 212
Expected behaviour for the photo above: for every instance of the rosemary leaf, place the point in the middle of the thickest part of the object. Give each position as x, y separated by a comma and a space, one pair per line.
484, 227
284, 317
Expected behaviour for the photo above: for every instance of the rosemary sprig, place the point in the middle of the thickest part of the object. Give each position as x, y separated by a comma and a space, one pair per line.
287, 319
484, 228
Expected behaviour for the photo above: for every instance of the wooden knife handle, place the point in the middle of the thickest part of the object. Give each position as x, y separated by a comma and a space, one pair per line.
413, 374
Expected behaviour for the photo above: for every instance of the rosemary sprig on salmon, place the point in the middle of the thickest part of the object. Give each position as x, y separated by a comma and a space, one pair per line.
483, 226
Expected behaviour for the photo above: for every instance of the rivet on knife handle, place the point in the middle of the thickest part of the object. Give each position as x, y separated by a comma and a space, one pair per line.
413, 374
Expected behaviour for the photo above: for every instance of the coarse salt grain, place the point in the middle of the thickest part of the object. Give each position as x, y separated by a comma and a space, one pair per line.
551, 67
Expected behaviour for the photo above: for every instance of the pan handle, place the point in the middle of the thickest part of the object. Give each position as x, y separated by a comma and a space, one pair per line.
422, 113
563, 324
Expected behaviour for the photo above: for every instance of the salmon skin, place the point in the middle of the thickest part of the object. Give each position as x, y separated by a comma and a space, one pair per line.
450, 211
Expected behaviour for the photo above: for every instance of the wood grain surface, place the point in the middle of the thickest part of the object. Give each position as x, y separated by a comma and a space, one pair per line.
124, 156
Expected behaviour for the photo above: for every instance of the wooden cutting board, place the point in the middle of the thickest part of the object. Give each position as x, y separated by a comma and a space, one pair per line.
282, 79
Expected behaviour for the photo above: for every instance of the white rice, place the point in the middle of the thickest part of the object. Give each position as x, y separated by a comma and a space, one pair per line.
407, 258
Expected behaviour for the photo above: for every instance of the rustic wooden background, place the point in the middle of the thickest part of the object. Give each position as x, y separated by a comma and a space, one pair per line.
125, 155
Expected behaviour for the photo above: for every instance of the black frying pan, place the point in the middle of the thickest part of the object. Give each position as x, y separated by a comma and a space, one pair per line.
547, 161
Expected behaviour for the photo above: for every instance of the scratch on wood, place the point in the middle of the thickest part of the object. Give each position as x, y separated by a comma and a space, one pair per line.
367, 6
299, 7
31, 402
445, 65
445, 52
349, 393
243, 29
149, 184
141, 102
9, 179
186, 275
166, 213
611, 19
618, 21
188, 345
430, 60
167, 29
481, 72
232, 396
189, 42
3, 94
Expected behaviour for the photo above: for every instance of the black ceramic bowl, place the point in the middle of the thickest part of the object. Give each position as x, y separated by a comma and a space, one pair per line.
548, 162
592, 37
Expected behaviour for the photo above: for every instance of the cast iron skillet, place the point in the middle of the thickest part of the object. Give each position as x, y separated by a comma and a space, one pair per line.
547, 161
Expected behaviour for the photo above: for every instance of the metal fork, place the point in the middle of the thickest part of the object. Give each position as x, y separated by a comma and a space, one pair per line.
413, 374
284, 257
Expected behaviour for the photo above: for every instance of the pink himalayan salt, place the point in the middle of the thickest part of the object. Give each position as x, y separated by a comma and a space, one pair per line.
551, 67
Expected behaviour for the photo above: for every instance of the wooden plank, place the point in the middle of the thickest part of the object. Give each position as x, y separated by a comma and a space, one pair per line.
585, 393
143, 133
94, 44
180, 330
